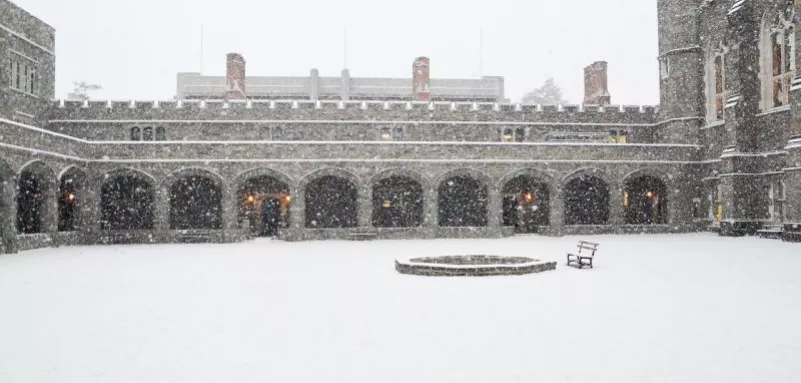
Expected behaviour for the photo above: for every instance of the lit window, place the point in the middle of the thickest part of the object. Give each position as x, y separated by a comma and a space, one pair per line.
618, 137
386, 134
508, 135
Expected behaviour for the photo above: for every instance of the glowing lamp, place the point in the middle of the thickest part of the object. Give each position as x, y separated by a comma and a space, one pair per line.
70, 197
649, 194
251, 199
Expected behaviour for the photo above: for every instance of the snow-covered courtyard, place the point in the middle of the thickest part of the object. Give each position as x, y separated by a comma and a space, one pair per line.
657, 308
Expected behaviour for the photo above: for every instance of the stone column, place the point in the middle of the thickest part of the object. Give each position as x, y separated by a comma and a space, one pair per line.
162, 214
49, 213
8, 215
430, 212
617, 214
89, 203
365, 206
557, 212
494, 209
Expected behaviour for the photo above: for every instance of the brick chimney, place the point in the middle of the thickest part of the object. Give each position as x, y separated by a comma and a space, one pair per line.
235, 77
596, 91
421, 79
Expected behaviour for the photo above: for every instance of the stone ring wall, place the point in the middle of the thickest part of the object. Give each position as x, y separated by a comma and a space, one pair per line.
472, 266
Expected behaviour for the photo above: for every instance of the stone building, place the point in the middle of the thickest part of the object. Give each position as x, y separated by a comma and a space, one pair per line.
721, 152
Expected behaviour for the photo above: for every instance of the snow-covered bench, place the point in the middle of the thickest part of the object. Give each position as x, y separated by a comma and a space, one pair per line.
584, 256
773, 231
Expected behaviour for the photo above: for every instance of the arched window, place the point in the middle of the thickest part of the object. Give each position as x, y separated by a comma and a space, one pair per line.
136, 134
147, 134
716, 84
160, 134
777, 59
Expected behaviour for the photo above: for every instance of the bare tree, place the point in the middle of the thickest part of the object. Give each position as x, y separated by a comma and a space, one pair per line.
81, 90
547, 94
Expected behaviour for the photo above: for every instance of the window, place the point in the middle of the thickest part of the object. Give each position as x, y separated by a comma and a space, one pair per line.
520, 134
618, 137
391, 134
721, 89
160, 134
698, 212
147, 134
278, 133
386, 134
23, 74
664, 68
136, 134
513, 135
779, 61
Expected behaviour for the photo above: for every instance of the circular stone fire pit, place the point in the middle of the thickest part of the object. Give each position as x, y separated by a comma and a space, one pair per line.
472, 266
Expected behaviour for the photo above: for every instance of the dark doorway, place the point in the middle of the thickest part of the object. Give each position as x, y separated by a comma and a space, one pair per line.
264, 205
526, 204
645, 201
67, 202
331, 203
462, 202
270, 217
586, 201
397, 202
126, 204
30, 200
195, 204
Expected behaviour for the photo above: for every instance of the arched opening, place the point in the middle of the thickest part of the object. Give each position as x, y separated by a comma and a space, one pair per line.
586, 201
126, 204
397, 202
195, 204
526, 204
30, 203
264, 205
69, 200
331, 203
645, 201
462, 202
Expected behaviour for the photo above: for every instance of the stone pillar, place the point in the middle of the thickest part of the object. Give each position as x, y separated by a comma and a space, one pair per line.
49, 213
162, 212
230, 209
297, 210
557, 211
8, 215
494, 209
431, 211
617, 213
89, 202
365, 206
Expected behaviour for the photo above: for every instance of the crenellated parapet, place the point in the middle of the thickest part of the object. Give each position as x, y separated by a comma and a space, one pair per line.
256, 110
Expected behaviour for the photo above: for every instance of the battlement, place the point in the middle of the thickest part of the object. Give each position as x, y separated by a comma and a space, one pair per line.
347, 110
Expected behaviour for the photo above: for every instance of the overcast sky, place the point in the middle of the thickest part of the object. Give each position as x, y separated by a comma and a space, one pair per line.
135, 48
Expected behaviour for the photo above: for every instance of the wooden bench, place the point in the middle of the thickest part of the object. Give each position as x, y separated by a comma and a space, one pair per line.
584, 256
772, 232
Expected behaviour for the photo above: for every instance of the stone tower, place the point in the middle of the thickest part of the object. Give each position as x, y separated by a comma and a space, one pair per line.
681, 70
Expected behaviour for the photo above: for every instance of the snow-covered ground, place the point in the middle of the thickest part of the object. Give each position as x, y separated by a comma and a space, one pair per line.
658, 308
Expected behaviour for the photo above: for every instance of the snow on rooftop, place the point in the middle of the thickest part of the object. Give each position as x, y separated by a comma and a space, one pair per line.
657, 308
